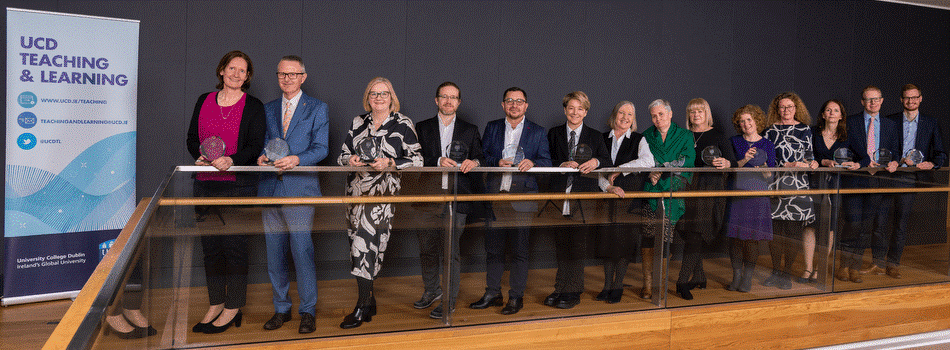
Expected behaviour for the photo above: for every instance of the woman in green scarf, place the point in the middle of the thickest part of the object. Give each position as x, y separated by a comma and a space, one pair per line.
672, 146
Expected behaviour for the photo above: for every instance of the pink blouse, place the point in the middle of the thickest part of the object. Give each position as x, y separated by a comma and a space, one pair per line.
223, 122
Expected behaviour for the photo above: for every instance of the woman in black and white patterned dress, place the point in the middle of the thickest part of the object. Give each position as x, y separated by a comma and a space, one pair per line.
369, 224
792, 217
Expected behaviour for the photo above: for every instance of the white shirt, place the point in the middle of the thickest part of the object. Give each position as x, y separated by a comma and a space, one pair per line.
513, 135
644, 156
445, 135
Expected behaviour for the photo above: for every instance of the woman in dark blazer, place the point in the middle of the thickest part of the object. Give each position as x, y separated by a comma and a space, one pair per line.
617, 243
237, 119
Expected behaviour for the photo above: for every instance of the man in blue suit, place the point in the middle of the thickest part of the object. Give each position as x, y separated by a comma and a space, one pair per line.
502, 137
302, 121
866, 213
920, 132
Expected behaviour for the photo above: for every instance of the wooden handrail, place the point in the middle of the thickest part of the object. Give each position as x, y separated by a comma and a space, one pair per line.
505, 197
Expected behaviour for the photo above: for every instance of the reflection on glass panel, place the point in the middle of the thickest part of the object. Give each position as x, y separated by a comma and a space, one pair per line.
446, 249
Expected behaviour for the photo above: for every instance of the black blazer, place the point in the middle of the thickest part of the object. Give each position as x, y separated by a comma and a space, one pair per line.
431, 142
557, 144
628, 151
250, 140
890, 139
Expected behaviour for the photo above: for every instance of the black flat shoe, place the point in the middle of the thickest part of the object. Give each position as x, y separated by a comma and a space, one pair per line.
614, 295
683, 290
552, 299
603, 295
486, 301
236, 321
308, 323
358, 316
568, 300
135, 333
514, 305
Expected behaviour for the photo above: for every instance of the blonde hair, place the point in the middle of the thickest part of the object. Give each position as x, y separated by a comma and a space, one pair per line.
393, 102
702, 104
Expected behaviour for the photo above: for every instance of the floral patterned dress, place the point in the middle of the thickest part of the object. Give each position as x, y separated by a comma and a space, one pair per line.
368, 225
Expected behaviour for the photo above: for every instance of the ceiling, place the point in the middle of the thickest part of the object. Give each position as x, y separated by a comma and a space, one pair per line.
940, 4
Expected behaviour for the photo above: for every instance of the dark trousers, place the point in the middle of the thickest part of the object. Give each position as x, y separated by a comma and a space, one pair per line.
866, 215
516, 238
890, 249
570, 246
225, 256
431, 257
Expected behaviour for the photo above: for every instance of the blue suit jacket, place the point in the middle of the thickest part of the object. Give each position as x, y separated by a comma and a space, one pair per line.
927, 141
533, 141
307, 136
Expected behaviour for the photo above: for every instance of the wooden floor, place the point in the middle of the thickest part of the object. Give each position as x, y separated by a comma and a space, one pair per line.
27, 326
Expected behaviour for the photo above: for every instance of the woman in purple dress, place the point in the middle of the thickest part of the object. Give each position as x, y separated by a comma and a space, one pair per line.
750, 218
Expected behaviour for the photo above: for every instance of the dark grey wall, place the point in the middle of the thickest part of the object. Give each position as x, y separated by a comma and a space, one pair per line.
728, 52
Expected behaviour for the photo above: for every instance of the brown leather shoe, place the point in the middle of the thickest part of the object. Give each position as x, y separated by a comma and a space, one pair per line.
276, 321
843, 274
873, 270
894, 272
855, 276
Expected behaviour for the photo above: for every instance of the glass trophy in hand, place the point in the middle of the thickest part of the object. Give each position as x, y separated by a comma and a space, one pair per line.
212, 148
882, 157
457, 151
842, 155
915, 156
276, 149
514, 153
581, 154
808, 156
758, 158
710, 153
368, 149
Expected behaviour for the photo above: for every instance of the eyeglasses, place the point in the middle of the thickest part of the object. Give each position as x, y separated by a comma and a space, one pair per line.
282, 75
380, 94
910, 97
512, 101
447, 97
786, 108
872, 99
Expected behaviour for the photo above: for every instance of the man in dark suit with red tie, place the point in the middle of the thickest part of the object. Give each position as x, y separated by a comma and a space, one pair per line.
865, 213
917, 132
436, 135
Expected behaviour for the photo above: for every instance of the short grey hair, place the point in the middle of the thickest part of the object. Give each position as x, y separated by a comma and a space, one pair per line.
660, 102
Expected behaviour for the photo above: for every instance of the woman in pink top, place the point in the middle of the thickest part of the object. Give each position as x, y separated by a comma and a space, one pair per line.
237, 119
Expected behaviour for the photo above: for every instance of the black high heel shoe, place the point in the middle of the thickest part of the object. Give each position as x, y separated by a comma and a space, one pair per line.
135, 333
236, 321
201, 327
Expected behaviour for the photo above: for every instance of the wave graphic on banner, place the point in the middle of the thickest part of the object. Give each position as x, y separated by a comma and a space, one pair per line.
94, 192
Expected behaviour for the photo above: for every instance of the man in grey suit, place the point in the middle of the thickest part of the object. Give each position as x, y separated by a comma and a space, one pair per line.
302, 121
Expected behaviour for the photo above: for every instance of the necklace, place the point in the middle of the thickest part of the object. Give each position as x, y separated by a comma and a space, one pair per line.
230, 109
696, 141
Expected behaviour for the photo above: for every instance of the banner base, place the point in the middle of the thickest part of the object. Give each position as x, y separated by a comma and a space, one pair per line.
39, 297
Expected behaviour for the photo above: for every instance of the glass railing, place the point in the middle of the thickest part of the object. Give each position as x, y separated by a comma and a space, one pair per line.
722, 236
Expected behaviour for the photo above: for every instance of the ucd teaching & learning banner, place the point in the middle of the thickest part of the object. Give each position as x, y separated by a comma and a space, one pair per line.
70, 150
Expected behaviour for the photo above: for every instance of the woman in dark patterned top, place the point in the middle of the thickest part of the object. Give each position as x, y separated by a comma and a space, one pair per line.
368, 228
793, 217
703, 217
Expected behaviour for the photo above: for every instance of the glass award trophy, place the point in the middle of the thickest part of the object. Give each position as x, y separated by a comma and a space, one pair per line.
212, 148
915, 156
882, 156
514, 153
808, 156
842, 155
759, 158
582, 153
368, 149
710, 153
276, 149
457, 151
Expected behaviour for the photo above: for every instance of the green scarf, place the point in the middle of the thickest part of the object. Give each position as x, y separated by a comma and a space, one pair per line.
678, 145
